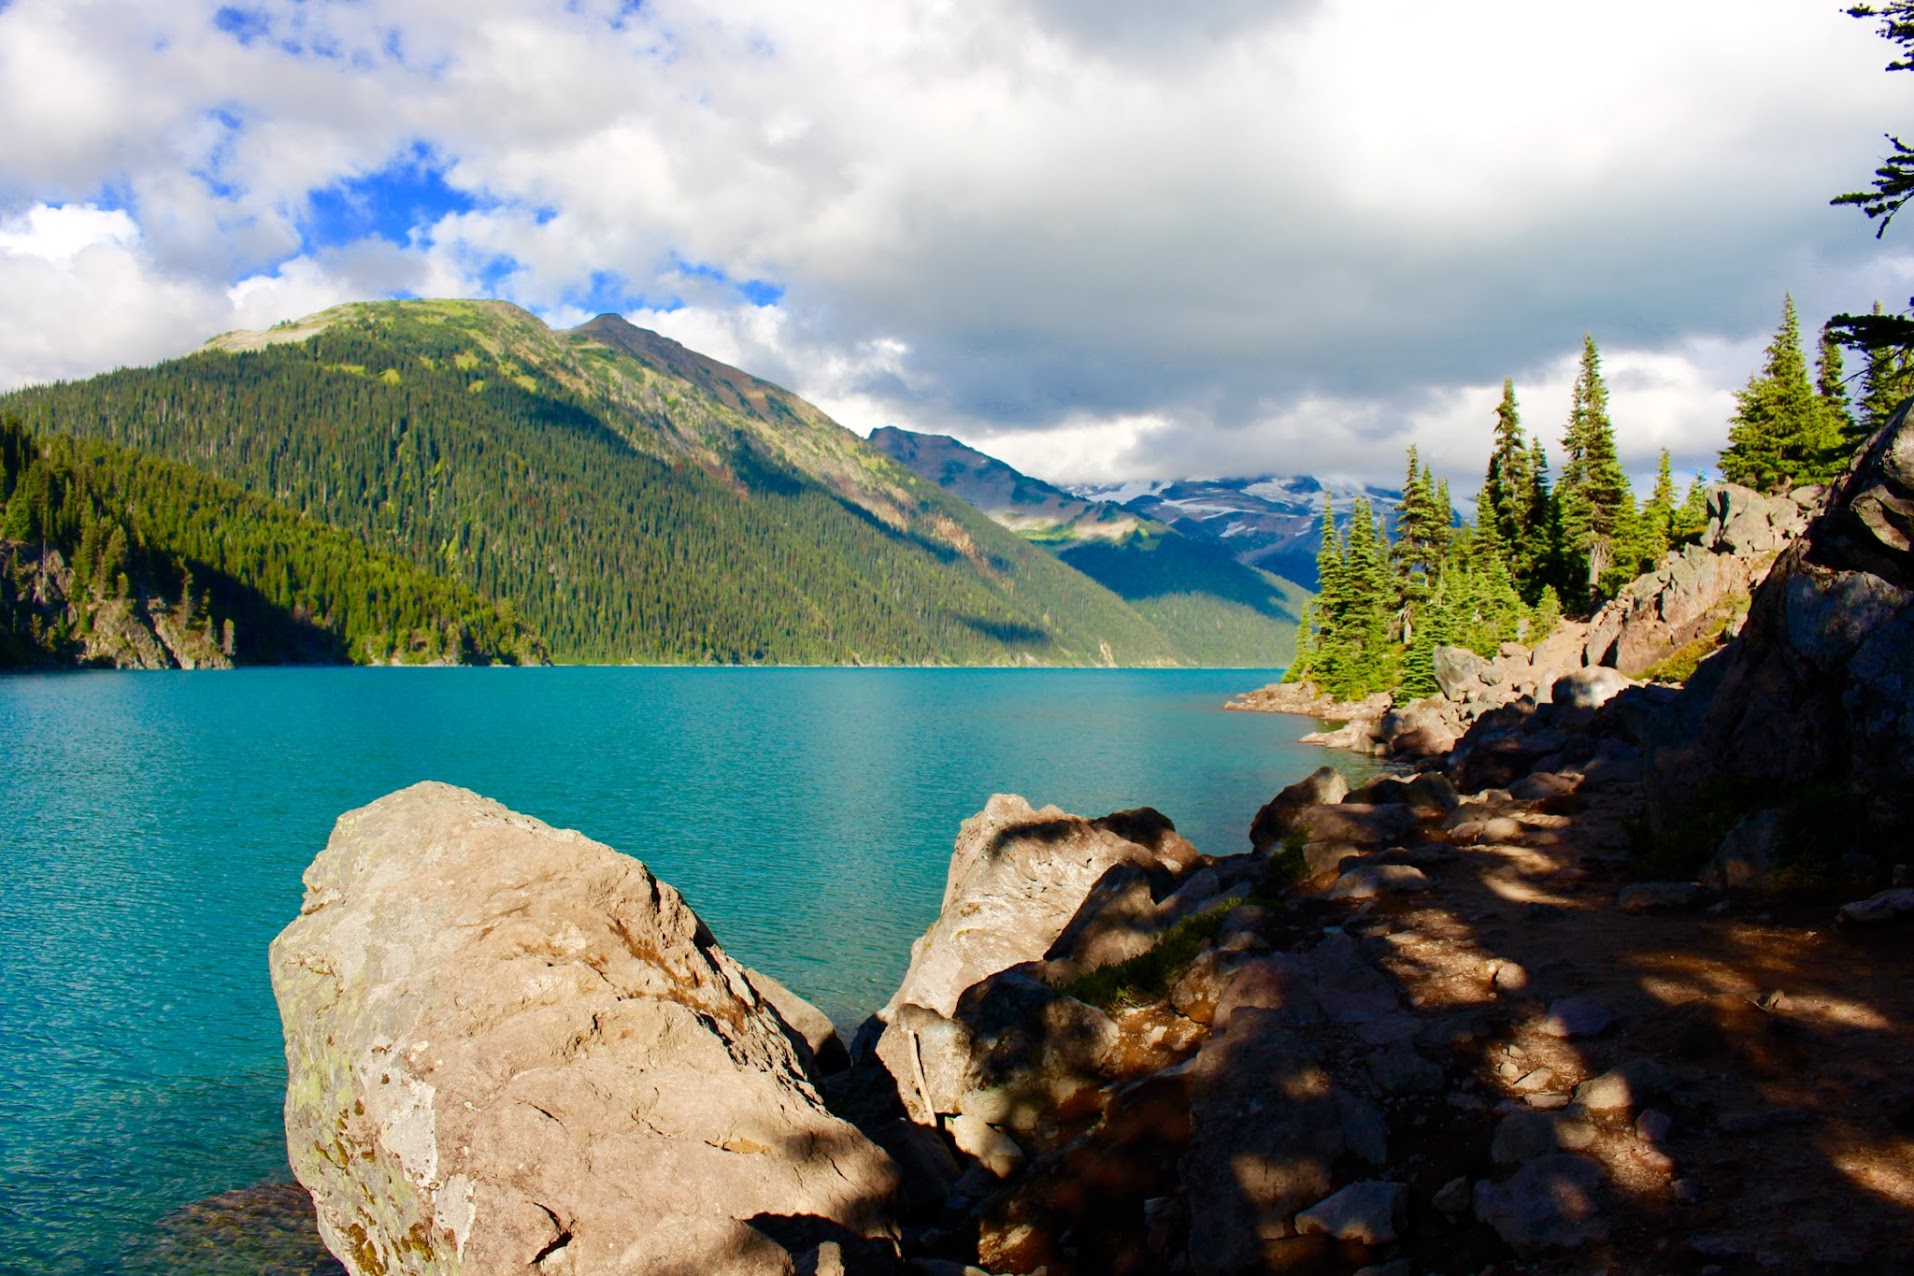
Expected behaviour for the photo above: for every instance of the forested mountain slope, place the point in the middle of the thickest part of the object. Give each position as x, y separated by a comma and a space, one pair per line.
1222, 611
634, 500
114, 558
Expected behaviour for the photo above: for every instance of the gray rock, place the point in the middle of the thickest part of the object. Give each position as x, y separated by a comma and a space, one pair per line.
1589, 688
1355, 823
1253, 1158
1372, 1213
1453, 1198
551, 1057
1659, 897
1119, 919
1511, 978
1017, 878
1459, 672
1883, 908
1331, 857
1366, 881
1282, 984
992, 1148
1012, 1036
1539, 786
1399, 1070
1578, 1017
809, 1030
1348, 986
1550, 1203
1654, 1127
1524, 1136
1749, 856
1400, 1267
1625, 1089
1322, 786
1365, 1130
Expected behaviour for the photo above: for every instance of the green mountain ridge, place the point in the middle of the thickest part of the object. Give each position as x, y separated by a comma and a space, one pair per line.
632, 499
1218, 609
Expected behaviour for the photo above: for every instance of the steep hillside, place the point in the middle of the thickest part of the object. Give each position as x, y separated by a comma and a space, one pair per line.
636, 501
1223, 612
108, 557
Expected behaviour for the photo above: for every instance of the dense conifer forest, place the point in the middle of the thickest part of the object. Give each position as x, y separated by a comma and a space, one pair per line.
1539, 549
96, 535
628, 512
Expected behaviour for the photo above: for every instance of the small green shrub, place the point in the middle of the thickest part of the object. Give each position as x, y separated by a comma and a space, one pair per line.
1149, 976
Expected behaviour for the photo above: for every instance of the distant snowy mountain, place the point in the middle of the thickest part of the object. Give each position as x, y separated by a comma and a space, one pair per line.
1271, 521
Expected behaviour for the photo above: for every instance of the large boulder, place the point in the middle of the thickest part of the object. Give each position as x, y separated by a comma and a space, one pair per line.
1017, 877
510, 1048
1323, 785
1819, 688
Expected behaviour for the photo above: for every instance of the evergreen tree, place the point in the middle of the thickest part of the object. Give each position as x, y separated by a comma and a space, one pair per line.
1778, 436
1368, 589
1538, 550
1887, 379
1422, 531
1838, 425
1658, 514
1315, 636
1597, 508
1506, 499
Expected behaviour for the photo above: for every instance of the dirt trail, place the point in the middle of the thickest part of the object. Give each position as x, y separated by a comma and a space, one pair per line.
1789, 1141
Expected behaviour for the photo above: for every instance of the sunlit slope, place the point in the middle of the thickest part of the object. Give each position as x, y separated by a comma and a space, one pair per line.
635, 501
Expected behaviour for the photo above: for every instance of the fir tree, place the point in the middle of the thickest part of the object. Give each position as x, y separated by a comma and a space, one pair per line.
1831, 393
1367, 646
1778, 435
1597, 509
1658, 514
1885, 382
1505, 501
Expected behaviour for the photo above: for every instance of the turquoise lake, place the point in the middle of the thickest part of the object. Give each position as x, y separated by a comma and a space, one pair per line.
154, 826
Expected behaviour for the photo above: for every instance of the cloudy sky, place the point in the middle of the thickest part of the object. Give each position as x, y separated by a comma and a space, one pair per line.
1103, 239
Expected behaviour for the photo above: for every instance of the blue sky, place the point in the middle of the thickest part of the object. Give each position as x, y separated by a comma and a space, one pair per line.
1103, 240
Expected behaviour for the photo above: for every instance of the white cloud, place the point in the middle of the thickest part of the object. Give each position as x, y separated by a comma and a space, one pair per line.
1230, 235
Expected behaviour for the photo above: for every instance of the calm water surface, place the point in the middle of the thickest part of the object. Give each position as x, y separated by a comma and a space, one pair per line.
153, 828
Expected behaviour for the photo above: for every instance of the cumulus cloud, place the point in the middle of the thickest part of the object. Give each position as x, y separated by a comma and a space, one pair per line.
1235, 235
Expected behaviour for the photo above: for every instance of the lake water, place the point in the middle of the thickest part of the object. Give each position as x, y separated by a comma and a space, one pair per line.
154, 826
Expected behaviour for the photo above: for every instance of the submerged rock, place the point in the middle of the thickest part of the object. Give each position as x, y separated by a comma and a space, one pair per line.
511, 1047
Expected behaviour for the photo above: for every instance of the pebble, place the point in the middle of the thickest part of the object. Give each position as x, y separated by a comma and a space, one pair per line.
1540, 1079
1452, 1198
1658, 897
1573, 1017
1546, 1102
1624, 1089
1371, 1213
1524, 1136
1510, 978
1654, 1127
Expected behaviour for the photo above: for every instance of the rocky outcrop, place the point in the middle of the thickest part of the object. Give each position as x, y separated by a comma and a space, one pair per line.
510, 1048
1819, 689
1017, 877
47, 617
1032, 900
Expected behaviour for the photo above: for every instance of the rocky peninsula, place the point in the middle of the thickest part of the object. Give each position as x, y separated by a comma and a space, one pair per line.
1612, 977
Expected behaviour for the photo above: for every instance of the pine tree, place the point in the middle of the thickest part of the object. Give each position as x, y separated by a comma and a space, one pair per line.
1368, 588
1836, 414
1316, 656
1658, 514
1538, 549
1776, 436
1505, 500
1422, 529
1597, 509
1887, 379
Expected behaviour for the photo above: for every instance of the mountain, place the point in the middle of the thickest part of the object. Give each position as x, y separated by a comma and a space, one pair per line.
1194, 590
1269, 521
109, 557
631, 499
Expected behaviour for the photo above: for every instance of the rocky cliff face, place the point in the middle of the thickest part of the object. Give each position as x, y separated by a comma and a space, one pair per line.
512, 1049
45, 620
1819, 688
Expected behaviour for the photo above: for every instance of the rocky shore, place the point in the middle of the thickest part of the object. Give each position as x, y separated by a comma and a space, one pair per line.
1616, 980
